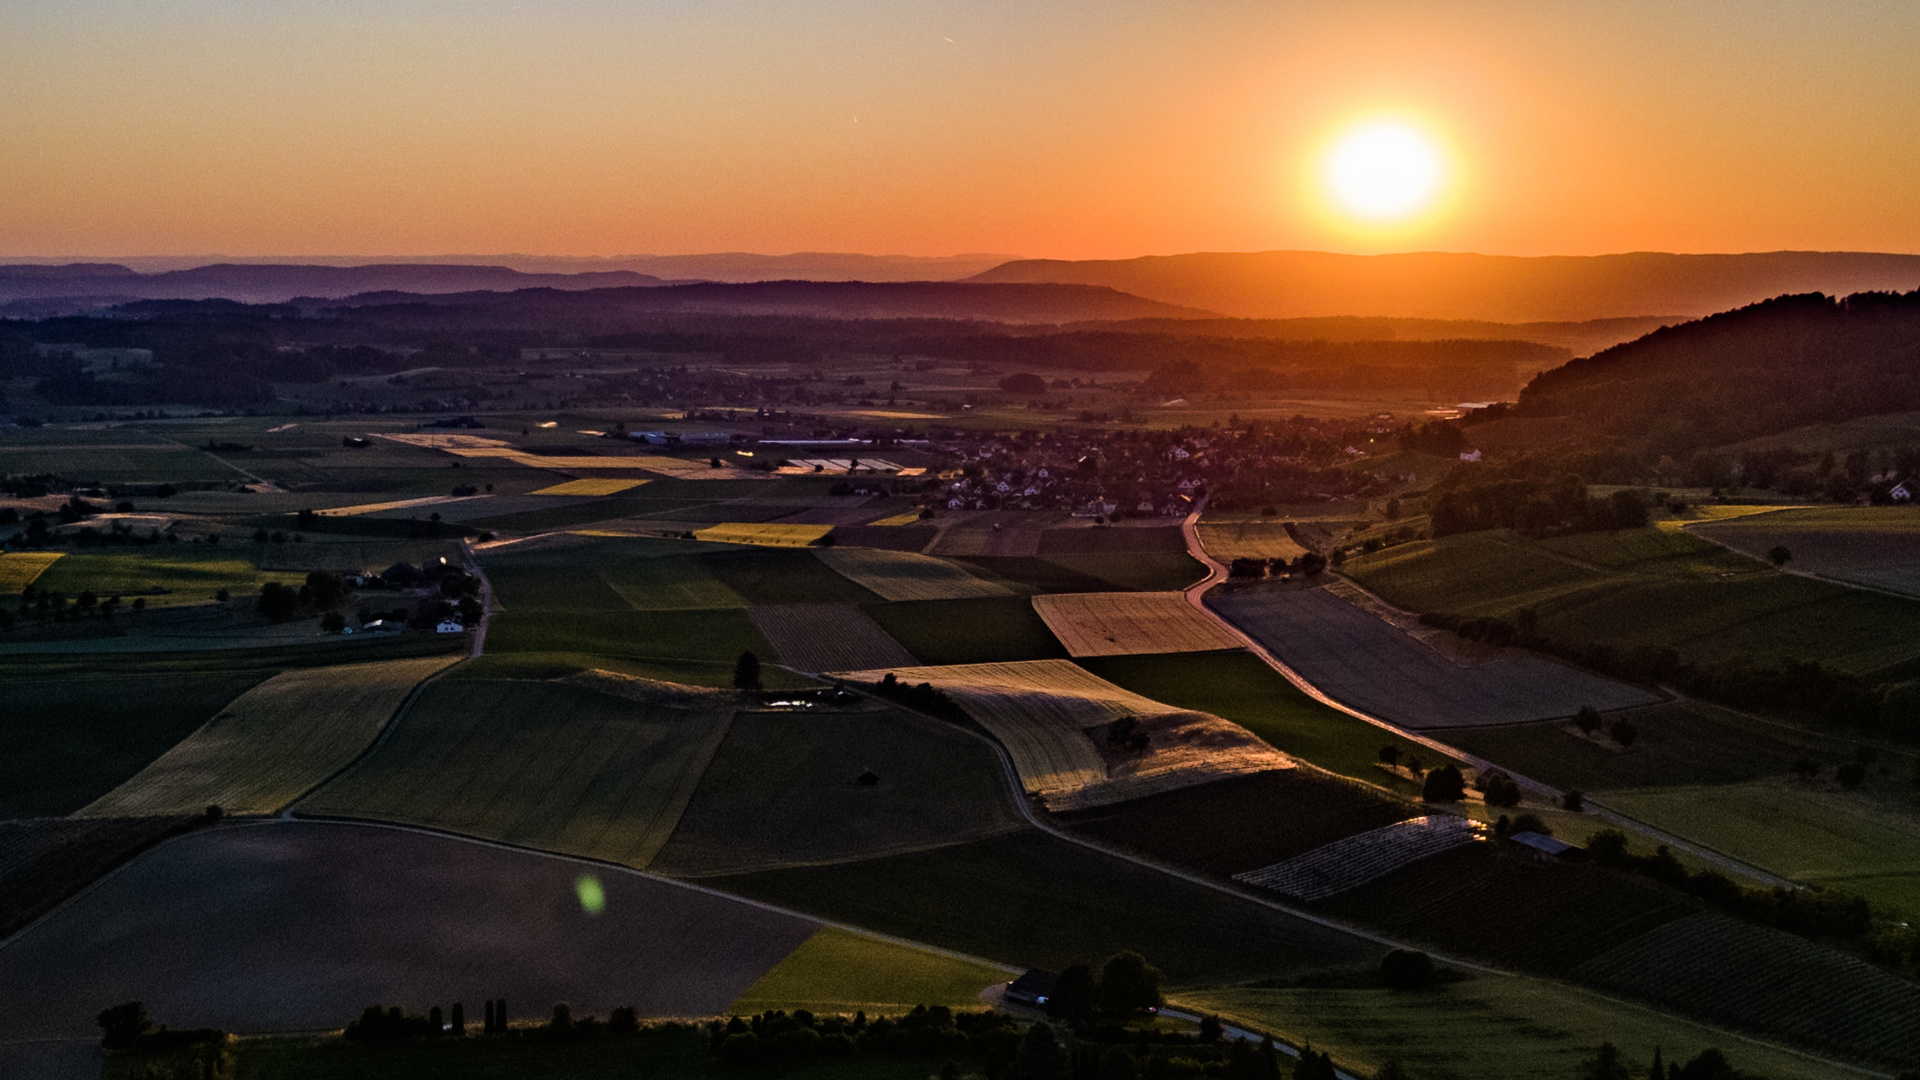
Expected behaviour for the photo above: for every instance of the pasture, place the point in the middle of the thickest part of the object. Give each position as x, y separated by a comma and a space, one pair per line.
1733, 972
904, 575
272, 744
1242, 822
1032, 900
45, 860
1513, 1026
1229, 540
1878, 546
169, 574
835, 971
1119, 624
1809, 832
1051, 716
827, 637
551, 765
293, 926
1240, 687
990, 630
1376, 667
75, 733
19, 569
784, 789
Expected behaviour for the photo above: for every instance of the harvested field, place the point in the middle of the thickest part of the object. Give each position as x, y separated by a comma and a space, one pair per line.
1112, 540
1052, 717
990, 630
292, 926
840, 972
1035, 900
560, 766
1509, 1026
18, 569
1877, 546
1377, 668
1249, 540
400, 504
827, 637
45, 860
903, 575
1120, 624
74, 734
888, 537
590, 486
1242, 822
765, 534
1487, 902
1350, 862
912, 517
272, 744
1768, 981
785, 790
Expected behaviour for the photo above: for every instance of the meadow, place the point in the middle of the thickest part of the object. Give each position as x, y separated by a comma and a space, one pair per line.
272, 744
171, 574
990, 630
547, 765
903, 575
1381, 670
784, 789
827, 637
836, 971
1118, 624
308, 923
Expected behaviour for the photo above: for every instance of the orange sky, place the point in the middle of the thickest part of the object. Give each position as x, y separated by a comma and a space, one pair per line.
1088, 129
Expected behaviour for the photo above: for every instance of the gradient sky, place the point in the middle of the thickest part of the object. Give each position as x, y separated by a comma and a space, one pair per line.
1072, 130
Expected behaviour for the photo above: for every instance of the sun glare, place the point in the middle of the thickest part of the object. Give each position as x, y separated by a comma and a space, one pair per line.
1384, 171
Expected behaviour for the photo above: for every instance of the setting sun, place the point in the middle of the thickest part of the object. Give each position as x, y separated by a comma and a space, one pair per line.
1384, 171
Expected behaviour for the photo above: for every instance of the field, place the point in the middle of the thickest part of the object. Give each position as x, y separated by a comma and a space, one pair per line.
173, 574
991, 630
1118, 624
1034, 574
1736, 973
903, 575
19, 569
1240, 687
1147, 571
1051, 714
1376, 667
1509, 1026
784, 790
1877, 546
590, 487
45, 860
1242, 822
550, 765
1482, 901
1651, 587
74, 735
782, 577
1032, 900
293, 926
273, 744
763, 535
827, 637
1113, 540
701, 644
1227, 541
1350, 862
1799, 830
839, 972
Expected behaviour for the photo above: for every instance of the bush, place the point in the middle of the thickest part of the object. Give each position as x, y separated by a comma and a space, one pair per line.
122, 1025
1408, 969
1444, 784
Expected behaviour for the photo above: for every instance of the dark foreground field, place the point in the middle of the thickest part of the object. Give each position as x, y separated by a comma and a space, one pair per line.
300, 926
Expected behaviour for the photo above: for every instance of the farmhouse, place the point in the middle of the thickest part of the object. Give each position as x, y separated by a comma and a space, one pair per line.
450, 626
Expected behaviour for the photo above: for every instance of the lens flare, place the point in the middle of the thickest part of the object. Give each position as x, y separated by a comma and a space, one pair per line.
1384, 171
593, 898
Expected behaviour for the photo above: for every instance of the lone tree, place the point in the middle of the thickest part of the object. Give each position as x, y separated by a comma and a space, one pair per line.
1779, 556
1128, 984
1408, 969
1587, 719
746, 671
122, 1025
1444, 784
1390, 755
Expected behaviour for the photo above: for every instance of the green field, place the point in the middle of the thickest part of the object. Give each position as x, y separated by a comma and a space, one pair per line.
1808, 832
543, 765
839, 972
169, 574
984, 631
1650, 587
782, 576
1240, 687
1145, 571
74, 735
1031, 899
1492, 1025
783, 790
274, 743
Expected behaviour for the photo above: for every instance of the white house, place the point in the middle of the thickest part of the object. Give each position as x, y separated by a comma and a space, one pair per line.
450, 626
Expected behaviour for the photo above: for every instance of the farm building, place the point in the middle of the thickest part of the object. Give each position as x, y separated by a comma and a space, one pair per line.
1033, 989
1543, 846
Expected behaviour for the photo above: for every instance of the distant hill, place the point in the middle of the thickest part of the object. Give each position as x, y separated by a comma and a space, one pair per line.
1764, 368
1442, 285
831, 299
716, 266
274, 283
1580, 338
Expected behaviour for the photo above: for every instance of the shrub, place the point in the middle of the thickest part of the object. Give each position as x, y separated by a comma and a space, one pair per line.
1408, 969
122, 1025
1444, 784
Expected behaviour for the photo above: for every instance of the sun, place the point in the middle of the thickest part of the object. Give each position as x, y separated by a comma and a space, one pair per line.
1384, 171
